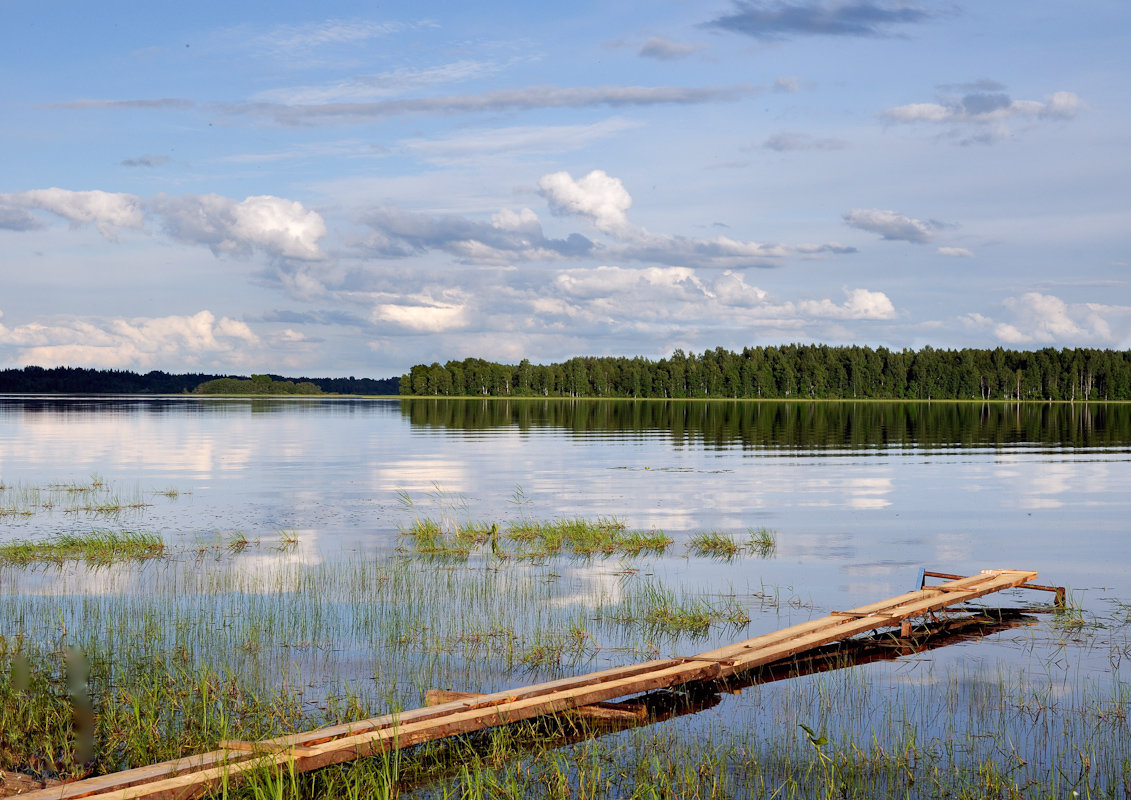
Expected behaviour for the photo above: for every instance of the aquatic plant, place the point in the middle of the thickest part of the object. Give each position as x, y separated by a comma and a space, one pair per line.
99, 546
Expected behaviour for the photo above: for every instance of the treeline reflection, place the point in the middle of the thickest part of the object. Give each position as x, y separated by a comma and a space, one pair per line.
789, 425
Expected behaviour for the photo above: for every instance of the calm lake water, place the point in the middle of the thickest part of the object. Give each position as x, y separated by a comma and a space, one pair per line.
860, 496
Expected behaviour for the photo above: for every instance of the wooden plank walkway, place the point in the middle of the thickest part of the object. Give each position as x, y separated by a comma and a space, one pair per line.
302, 752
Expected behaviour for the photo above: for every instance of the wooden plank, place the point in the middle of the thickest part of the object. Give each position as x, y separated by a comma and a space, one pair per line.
452, 713
373, 742
376, 723
605, 711
896, 607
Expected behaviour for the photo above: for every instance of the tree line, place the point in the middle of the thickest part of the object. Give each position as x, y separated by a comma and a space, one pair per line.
257, 384
793, 425
79, 380
797, 371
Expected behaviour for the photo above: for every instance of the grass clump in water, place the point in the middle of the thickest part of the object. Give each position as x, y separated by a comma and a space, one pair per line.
98, 546
451, 533
761, 542
576, 536
659, 613
714, 545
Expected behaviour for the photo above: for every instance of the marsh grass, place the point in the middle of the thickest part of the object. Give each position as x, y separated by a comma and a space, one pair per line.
93, 497
98, 546
829, 737
761, 542
448, 532
662, 614
575, 536
184, 652
714, 545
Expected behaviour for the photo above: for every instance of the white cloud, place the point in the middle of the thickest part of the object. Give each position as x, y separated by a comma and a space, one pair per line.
423, 318
861, 304
650, 283
601, 198
891, 225
108, 211
279, 227
13, 218
955, 252
597, 197
1045, 316
1036, 319
731, 289
140, 342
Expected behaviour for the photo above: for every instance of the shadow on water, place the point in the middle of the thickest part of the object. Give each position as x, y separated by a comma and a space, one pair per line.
781, 425
563, 730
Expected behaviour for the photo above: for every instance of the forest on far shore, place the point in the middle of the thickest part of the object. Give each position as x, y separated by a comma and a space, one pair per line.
78, 380
797, 371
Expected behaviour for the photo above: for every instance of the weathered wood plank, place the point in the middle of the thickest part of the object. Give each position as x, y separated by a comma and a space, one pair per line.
453, 713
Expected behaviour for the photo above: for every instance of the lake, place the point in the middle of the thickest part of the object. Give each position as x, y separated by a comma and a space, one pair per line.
858, 497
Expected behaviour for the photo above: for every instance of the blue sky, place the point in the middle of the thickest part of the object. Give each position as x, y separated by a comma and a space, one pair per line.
353, 188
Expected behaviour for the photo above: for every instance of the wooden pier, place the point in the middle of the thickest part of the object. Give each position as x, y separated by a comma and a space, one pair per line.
460, 713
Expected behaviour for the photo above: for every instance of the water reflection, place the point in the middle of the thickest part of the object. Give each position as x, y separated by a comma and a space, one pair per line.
791, 426
845, 486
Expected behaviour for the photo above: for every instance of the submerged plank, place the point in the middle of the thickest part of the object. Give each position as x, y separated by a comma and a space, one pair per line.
453, 713
604, 710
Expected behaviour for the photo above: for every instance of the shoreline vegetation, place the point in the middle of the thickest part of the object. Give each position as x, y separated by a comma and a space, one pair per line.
793, 372
796, 372
120, 649
79, 380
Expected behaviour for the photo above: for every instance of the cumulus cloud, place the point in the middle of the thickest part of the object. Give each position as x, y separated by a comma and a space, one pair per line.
658, 284
1043, 318
108, 211
14, 218
1036, 319
860, 304
981, 116
279, 227
786, 141
684, 298
597, 196
892, 225
666, 50
140, 342
784, 20
423, 317
955, 252
276, 226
